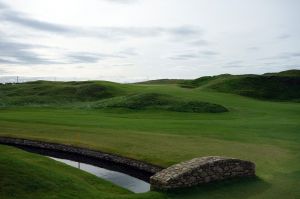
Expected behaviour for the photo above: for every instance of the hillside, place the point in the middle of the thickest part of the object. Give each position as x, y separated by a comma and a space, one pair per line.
271, 86
45, 92
282, 86
160, 102
295, 73
98, 95
163, 81
264, 132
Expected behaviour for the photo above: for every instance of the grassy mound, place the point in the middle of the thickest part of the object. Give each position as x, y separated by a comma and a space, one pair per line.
271, 86
45, 92
289, 73
198, 107
203, 81
163, 81
264, 132
162, 102
30, 176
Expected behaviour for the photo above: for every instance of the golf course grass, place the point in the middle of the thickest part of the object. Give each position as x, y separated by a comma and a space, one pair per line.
265, 132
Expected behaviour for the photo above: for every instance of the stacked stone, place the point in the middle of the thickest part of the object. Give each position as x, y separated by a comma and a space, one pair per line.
201, 170
127, 162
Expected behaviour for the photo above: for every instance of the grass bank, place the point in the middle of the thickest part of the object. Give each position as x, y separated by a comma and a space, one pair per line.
264, 132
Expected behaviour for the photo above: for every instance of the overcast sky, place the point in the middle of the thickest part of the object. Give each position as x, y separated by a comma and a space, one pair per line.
132, 40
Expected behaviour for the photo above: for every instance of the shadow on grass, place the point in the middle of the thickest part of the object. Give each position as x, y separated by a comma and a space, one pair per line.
235, 188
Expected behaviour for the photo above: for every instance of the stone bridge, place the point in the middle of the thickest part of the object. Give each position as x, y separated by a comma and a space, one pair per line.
201, 170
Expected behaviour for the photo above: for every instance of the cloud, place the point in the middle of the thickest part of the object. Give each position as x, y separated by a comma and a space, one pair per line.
3, 71
9, 15
253, 48
2, 6
209, 53
283, 56
123, 1
284, 36
293, 54
184, 31
123, 65
199, 42
13, 52
7, 61
194, 55
234, 64
135, 32
20, 53
129, 52
86, 57
184, 56
35, 24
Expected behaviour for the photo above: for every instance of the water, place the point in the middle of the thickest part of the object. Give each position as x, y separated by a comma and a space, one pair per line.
121, 179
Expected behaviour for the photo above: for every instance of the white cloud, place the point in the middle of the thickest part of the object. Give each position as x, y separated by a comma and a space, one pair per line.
135, 39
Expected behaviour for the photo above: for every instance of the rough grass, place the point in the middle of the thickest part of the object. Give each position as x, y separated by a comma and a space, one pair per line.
31, 176
44, 92
163, 81
283, 86
288, 73
265, 132
202, 81
269, 87
160, 102
69, 93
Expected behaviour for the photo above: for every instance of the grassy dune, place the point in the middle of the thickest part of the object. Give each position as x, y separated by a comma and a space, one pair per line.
261, 131
159, 101
45, 92
282, 86
25, 175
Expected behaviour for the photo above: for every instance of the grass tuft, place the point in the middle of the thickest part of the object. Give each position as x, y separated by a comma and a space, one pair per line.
160, 102
282, 86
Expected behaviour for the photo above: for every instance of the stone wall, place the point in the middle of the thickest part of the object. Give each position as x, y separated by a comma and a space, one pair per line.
186, 174
127, 162
201, 170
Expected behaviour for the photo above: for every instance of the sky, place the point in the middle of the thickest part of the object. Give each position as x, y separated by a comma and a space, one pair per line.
135, 40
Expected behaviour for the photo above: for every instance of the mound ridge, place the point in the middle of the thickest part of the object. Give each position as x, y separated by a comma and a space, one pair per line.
160, 101
162, 81
289, 73
283, 86
45, 92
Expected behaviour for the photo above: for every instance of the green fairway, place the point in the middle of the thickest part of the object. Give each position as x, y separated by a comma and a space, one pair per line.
264, 132
25, 175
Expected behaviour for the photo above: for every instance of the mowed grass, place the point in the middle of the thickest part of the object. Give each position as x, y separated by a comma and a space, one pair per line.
27, 176
261, 131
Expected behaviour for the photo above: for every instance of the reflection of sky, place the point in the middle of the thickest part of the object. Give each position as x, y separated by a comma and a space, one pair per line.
131, 40
120, 179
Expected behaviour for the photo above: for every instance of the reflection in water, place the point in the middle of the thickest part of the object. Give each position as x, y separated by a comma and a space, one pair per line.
123, 180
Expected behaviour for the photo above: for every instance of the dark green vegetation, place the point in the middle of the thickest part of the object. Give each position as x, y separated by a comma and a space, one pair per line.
160, 102
163, 81
265, 132
289, 73
44, 92
27, 176
271, 86
100, 94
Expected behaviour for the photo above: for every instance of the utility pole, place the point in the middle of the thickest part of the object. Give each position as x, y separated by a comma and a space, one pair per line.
17, 79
